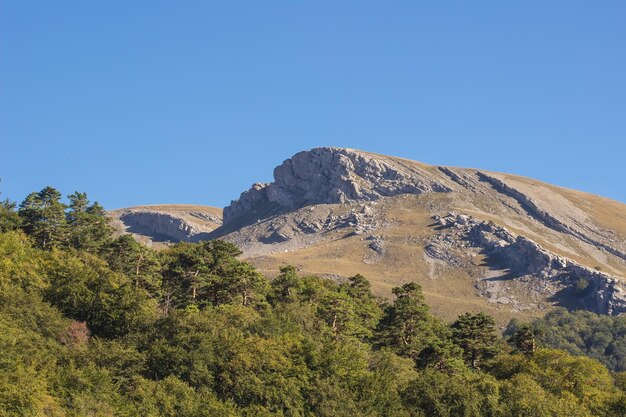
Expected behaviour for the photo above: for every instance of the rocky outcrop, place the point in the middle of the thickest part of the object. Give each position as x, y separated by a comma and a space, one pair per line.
526, 259
330, 176
534, 209
308, 224
166, 223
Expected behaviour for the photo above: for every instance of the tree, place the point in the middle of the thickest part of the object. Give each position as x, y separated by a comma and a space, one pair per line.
208, 273
407, 325
83, 288
9, 219
367, 308
524, 340
188, 267
245, 282
437, 394
476, 335
359, 287
137, 261
286, 286
582, 332
337, 312
88, 224
43, 217
442, 355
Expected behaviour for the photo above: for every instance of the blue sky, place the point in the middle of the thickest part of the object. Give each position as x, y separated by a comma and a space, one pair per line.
143, 102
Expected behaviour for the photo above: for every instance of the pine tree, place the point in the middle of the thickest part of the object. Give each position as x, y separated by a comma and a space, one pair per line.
407, 325
9, 219
476, 335
137, 261
336, 310
286, 286
89, 229
43, 218
367, 308
524, 340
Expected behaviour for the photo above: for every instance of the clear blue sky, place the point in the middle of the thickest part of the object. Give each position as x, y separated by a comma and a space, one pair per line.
140, 102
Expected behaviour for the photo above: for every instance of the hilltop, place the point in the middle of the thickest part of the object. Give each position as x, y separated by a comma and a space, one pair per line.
475, 240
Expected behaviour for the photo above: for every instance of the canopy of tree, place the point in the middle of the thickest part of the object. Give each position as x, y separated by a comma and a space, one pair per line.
583, 333
92, 325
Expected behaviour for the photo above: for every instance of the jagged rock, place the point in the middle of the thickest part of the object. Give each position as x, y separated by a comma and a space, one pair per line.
330, 176
165, 224
528, 260
275, 237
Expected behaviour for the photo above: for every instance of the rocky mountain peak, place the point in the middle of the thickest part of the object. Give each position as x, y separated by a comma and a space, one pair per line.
329, 176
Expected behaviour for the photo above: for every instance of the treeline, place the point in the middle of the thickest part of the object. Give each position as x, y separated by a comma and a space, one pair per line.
92, 325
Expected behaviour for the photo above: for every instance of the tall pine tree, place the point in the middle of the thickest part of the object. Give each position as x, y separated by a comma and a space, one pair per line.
476, 335
43, 217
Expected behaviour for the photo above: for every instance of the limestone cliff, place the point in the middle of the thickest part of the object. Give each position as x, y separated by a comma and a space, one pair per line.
331, 176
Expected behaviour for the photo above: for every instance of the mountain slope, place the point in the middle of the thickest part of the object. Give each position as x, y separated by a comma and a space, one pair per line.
473, 239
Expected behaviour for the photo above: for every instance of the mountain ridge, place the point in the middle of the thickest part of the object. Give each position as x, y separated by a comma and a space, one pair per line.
380, 215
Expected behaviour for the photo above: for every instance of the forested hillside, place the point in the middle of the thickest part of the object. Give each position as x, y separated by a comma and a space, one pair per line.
92, 325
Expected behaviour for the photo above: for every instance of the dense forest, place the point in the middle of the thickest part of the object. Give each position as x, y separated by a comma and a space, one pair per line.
97, 325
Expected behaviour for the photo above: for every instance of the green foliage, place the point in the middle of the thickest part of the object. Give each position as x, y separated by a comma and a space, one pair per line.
436, 394
83, 288
476, 335
92, 325
524, 339
583, 333
43, 217
409, 329
138, 262
9, 219
88, 226
208, 273
555, 383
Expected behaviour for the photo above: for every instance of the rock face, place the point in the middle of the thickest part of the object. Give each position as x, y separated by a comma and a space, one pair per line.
527, 261
167, 223
330, 176
162, 224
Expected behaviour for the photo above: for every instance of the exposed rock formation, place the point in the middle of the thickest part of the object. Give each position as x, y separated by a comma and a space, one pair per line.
330, 176
173, 223
526, 259
580, 230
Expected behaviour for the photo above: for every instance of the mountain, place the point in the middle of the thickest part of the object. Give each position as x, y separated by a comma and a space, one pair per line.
475, 240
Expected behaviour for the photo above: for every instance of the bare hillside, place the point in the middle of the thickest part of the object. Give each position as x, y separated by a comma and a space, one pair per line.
475, 240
